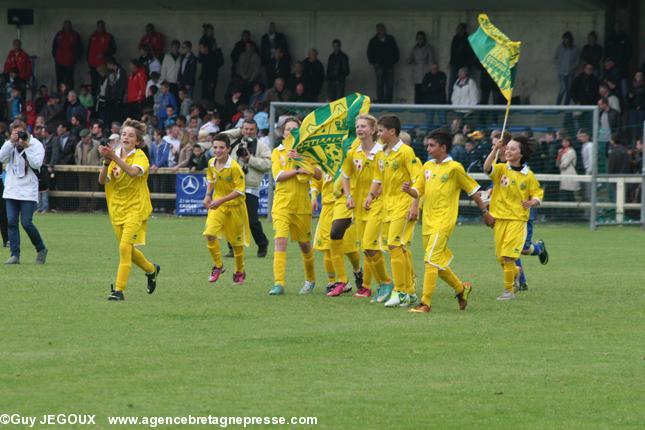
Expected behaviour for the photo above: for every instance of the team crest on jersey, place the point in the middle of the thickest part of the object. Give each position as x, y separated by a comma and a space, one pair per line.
395, 165
358, 163
428, 174
504, 181
229, 179
523, 185
444, 178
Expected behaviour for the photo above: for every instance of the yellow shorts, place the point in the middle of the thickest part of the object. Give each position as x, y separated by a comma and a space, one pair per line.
340, 210
509, 238
298, 226
368, 234
323, 231
437, 253
230, 223
398, 232
132, 232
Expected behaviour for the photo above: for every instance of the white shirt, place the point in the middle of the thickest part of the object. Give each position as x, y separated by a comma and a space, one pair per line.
21, 183
586, 156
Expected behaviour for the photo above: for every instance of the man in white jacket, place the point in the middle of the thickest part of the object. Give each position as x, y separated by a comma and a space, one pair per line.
170, 67
23, 155
465, 90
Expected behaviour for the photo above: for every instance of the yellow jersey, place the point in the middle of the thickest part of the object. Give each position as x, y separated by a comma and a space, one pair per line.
439, 186
363, 169
400, 166
127, 197
325, 187
290, 196
511, 187
230, 178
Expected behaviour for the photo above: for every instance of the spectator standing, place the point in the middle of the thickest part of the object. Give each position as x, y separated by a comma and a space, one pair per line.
16, 103
52, 109
67, 50
270, 42
85, 97
258, 95
19, 59
100, 46
611, 75
612, 99
566, 163
87, 154
586, 151
636, 106
208, 37
383, 54
188, 68
154, 39
566, 60
434, 92
170, 67
240, 47
584, 89
465, 90
315, 72
279, 66
592, 52
461, 54
619, 47
337, 71
23, 155
185, 103
211, 63
148, 60
115, 88
609, 120
298, 77
420, 58
279, 92
166, 99
63, 146
248, 64
137, 81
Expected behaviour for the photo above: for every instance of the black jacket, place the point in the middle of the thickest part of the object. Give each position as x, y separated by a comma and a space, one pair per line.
316, 73
337, 66
63, 155
266, 47
584, 89
187, 77
461, 54
211, 63
116, 86
434, 86
383, 53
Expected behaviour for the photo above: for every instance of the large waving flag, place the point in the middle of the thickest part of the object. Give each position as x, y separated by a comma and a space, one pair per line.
497, 53
326, 134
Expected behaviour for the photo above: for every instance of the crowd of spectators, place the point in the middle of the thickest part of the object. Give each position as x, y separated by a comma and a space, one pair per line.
159, 87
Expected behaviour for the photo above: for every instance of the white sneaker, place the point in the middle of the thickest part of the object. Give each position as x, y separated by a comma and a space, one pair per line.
308, 287
506, 295
396, 298
410, 301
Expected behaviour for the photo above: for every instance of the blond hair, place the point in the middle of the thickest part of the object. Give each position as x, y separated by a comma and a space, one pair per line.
372, 122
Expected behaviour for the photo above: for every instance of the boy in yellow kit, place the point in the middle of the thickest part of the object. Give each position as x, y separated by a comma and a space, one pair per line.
325, 188
291, 211
400, 167
439, 185
226, 203
125, 176
515, 192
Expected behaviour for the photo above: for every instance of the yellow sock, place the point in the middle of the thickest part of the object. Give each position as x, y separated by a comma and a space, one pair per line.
238, 253
355, 259
429, 283
329, 267
399, 266
449, 277
141, 261
379, 271
367, 273
215, 251
125, 265
279, 267
510, 269
410, 277
337, 260
308, 260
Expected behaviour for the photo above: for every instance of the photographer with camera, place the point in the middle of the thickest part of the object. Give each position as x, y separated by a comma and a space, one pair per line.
254, 156
23, 155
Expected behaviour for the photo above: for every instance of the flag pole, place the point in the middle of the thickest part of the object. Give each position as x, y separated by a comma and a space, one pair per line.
508, 109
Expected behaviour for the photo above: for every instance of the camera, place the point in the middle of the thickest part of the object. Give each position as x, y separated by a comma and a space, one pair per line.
22, 135
246, 146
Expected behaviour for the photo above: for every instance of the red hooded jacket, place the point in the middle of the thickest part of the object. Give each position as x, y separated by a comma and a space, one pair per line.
101, 45
21, 61
155, 41
67, 48
137, 85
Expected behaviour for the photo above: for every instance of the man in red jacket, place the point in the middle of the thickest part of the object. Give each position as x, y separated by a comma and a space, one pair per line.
154, 40
20, 60
137, 81
101, 46
67, 49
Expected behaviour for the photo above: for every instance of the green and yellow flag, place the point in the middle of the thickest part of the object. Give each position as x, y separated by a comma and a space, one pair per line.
326, 134
497, 53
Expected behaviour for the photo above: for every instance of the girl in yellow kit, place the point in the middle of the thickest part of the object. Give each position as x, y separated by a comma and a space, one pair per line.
125, 176
226, 203
291, 211
362, 173
325, 187
515, 192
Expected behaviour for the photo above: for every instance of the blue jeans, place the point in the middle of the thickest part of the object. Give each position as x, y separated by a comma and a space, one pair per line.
24, 210
384, 83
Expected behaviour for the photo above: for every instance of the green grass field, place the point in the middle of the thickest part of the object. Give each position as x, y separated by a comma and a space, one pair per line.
565, 355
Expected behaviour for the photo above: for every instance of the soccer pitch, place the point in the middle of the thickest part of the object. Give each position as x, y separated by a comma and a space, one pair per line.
565, 355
